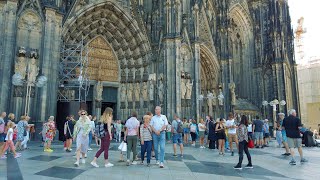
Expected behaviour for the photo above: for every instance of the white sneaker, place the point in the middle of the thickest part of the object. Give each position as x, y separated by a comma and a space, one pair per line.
94, 164
76, 164
157, 162
134, 163
108, 165
161, 165
89, 149
83, 161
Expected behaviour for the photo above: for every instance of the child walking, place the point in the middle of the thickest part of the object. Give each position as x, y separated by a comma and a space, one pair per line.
9, 142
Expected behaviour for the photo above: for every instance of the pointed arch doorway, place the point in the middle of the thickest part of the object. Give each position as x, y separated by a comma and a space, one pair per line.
103, 72
209, 82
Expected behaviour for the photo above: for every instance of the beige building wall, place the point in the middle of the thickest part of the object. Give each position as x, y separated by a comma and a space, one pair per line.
309, 92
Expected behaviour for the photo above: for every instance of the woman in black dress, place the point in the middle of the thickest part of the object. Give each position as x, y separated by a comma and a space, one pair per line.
212, 135
221, 135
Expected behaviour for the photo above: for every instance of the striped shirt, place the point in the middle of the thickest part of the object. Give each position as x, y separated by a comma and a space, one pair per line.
145, 133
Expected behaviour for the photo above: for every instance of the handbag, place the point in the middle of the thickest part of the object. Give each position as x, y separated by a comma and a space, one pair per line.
120, 146
250, 144
124, 147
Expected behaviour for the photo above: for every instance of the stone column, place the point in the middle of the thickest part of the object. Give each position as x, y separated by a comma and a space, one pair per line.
50, 60
7, 35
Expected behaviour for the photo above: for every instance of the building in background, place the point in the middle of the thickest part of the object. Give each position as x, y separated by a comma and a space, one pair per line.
309, 92
192, 57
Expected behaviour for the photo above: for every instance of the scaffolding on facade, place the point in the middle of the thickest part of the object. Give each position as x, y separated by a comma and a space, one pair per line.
74, 80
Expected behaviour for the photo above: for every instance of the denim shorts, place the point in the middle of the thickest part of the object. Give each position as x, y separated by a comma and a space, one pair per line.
258, 135
186, 130
177, 138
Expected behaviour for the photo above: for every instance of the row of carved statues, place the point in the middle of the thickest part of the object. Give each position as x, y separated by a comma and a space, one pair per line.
27, 64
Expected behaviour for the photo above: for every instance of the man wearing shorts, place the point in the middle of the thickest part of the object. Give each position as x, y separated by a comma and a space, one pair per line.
284, 135
292, 125
232, 132
258, 133
177, 137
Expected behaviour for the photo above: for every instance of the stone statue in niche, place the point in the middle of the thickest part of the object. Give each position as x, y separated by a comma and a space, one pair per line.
151, 90
232, 87
220, 97
21, 64
183, 89
137, 92
214, 100
160, 87
123, 93
160, 90
145, 91
33, 71
130, 92
209, 101
189, 86
99, 90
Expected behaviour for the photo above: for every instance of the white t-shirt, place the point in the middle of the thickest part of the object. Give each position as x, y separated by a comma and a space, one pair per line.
92, 125
169, 128
249, 128
10, 130
230, 123
200, 126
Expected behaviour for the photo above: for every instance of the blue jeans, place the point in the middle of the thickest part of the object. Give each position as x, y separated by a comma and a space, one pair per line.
90, 138
161, 139
147, 146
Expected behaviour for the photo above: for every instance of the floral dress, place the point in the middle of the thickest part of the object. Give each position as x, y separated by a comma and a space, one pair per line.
51, 129
21, 128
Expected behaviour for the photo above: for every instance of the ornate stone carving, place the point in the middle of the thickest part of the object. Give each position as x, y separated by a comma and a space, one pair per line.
220, 97
21, 63
189, 86
123, 93
103, 65
214, 100
130, 92
99, 90
151, 90
232, 87
30, 22
183, 89
18, 91
33, 71
145, 91
160, 88
137, 92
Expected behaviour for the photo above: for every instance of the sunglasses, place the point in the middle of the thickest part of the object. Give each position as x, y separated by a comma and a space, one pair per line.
83, 114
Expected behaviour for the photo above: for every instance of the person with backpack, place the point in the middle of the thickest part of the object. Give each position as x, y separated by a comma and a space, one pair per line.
177, 130
68, 131
193, 132
103, 131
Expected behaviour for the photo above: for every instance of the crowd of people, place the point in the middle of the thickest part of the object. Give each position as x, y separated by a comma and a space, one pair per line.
152, 133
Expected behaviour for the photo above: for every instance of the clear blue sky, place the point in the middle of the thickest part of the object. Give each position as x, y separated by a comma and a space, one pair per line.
310, 10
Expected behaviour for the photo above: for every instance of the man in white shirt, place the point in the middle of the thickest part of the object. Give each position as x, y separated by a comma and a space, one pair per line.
159, 124
232, 132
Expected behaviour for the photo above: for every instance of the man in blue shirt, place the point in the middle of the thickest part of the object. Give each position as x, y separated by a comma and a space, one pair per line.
159, 124
284, 135
177, 136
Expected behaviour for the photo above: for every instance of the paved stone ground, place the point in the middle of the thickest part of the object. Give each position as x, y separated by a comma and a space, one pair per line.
196, 164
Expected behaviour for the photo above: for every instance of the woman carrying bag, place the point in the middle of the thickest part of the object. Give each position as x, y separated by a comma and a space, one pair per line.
242, 133
106, 137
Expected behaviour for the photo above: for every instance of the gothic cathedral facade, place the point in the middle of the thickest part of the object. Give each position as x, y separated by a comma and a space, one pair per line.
192, 57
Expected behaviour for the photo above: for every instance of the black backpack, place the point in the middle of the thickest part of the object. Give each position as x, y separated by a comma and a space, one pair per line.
99, 130
179, 128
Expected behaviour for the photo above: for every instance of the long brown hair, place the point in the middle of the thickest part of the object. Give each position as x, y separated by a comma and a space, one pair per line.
244, 120
107, 114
